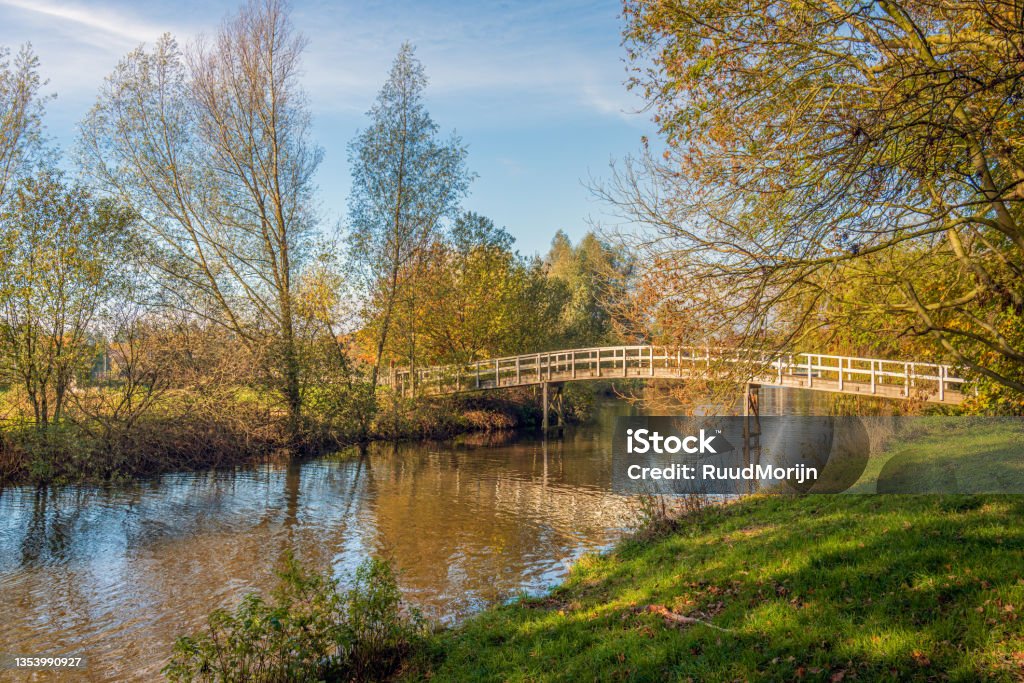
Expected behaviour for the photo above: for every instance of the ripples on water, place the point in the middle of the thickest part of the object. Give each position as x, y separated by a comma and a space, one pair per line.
115, 574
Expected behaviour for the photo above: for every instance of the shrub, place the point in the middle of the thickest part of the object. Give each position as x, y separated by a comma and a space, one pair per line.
378, 631
309, 630
658, 515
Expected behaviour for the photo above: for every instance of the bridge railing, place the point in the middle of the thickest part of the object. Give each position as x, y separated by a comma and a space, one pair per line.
848, 374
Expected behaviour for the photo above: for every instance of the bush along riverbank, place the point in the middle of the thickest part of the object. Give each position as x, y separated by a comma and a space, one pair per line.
188, 433
310, 629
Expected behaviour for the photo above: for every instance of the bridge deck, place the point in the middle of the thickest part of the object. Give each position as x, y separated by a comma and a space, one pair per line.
905, 380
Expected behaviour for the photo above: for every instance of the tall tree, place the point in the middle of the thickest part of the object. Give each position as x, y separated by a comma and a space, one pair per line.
211, 148
826, 148
65, 256
406, 180
21, 110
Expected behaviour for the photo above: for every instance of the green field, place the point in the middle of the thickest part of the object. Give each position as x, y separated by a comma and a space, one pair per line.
822, 588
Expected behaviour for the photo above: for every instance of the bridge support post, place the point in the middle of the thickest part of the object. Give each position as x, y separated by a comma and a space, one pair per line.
560, 406
545, 423
751, 428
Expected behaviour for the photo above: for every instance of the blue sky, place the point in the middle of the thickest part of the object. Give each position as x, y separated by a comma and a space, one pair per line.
534, 88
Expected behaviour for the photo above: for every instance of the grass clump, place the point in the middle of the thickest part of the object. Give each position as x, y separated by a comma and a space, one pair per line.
309, 630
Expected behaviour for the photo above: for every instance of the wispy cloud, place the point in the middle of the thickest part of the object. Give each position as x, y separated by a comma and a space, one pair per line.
79, 44
548, 59
511, 166
538, 59
106, 23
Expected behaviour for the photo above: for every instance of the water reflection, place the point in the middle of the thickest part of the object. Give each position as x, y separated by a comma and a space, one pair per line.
116, 573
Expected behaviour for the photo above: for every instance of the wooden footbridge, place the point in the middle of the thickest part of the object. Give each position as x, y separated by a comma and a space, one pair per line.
896, 379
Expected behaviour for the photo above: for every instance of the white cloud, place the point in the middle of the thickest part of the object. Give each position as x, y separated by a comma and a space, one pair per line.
77, 45
99, 24
493, 64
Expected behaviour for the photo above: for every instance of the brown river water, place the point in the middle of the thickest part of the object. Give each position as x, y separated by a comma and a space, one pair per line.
115, 574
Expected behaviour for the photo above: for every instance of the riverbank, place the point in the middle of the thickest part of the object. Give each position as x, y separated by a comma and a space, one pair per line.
823, 588
241, 434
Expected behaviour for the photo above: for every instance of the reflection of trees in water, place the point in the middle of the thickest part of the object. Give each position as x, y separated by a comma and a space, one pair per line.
54, 521
488, 439
467, 525
121, 574
125, 570
37, 539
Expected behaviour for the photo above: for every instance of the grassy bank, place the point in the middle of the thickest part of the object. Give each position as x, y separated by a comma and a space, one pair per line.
939, 454
823, 588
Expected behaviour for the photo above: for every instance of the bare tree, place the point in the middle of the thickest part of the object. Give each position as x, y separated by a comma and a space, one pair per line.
135, 371
211, 147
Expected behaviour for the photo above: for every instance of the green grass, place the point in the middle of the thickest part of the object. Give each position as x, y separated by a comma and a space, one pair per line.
949, 455
822, 588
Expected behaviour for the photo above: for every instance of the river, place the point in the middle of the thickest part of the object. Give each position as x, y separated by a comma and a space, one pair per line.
116, 573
